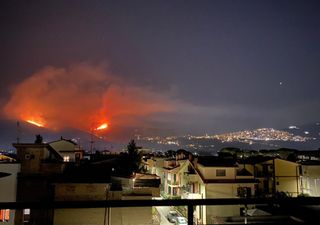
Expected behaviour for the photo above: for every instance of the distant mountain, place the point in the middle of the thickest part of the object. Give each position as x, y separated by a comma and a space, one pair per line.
11, 132
210, 144
301, 138
308, 130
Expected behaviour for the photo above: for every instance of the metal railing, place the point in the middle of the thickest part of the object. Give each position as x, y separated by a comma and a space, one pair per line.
189, 203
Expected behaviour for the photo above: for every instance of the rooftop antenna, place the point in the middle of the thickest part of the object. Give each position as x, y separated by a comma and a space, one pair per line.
91, 141
18, 132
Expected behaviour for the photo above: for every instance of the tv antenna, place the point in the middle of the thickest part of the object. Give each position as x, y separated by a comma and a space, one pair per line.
18, 132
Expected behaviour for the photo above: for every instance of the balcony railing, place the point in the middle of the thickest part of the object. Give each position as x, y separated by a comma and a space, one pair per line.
286, 204
173, 183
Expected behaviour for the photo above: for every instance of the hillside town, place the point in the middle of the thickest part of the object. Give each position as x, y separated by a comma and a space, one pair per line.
61, 171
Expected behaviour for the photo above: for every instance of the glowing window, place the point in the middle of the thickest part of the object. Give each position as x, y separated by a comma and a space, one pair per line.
26, 215
4, 215
66, 158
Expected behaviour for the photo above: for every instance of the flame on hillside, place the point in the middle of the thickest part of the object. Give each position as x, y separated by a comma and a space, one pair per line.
82, 94
102, 126
38, 124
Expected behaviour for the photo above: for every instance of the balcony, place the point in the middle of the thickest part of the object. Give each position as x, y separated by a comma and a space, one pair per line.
190, 195
261, 174
173, 183
284, 211
191, 177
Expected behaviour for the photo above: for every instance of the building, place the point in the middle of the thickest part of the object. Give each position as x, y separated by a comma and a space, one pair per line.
278, 176
221, 178
39, 164
8, 190
309, 179
46, 176
68, 149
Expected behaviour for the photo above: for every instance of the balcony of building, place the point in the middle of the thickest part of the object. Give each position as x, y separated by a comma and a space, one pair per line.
190, 191
301, 210
173, 183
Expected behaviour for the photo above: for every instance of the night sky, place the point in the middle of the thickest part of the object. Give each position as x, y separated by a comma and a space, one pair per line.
172, 67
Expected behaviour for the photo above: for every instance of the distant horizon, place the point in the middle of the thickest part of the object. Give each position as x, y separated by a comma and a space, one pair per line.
13, 124
160, 67
83, 137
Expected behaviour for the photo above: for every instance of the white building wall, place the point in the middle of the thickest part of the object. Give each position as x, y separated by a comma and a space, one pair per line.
211, 172
8, 186
310, 180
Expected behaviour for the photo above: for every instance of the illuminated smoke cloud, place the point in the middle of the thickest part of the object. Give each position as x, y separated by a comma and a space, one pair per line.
82, 96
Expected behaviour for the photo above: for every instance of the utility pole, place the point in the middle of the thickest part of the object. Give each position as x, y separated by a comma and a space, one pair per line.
91, 141
18, 132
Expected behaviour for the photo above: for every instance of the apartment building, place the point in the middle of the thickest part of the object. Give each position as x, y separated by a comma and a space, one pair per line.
8, 190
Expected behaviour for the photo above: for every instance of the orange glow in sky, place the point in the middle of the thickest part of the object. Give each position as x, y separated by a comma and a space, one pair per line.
101, 108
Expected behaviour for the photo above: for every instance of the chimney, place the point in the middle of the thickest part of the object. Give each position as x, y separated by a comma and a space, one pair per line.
195, 162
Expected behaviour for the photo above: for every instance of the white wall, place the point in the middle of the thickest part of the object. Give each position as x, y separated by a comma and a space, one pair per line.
310, 180
8, 186
210, 172
63, 145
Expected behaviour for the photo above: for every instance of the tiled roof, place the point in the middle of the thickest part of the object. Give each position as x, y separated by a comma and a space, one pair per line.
243, 172
230, 181
214, 161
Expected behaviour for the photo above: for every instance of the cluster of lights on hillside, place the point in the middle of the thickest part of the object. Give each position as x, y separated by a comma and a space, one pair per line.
246, 136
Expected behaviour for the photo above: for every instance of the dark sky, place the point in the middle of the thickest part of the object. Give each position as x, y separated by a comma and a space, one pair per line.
224, 65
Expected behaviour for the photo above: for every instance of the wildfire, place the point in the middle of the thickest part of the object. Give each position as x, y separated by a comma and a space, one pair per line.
35, 123
102, 126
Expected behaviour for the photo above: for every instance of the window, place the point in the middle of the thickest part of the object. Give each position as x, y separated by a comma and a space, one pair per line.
4, 215
26, 212
244, 192
66, 158
77, 156
220, 173
26, 215
174, 191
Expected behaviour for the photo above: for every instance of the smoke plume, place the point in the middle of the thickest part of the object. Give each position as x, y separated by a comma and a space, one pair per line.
83, 96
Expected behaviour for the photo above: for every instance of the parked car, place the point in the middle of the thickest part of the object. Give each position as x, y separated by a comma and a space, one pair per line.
181, 221
172, 216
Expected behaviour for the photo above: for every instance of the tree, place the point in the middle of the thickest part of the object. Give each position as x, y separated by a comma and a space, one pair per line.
39, 139
170, 154
134, 156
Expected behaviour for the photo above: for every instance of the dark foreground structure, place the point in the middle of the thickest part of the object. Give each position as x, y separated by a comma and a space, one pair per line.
304, 210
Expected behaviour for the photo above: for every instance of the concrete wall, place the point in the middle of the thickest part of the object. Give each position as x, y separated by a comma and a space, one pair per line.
87, 216
8, 186
248, 167
213, 213
30, 158
81, 191
310, 180
132, 216
65, 149
101, 216
285, 168
63, 145
210, 172
286, 174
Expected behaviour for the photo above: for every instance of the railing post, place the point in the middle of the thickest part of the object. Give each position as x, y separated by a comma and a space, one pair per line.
190, 214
